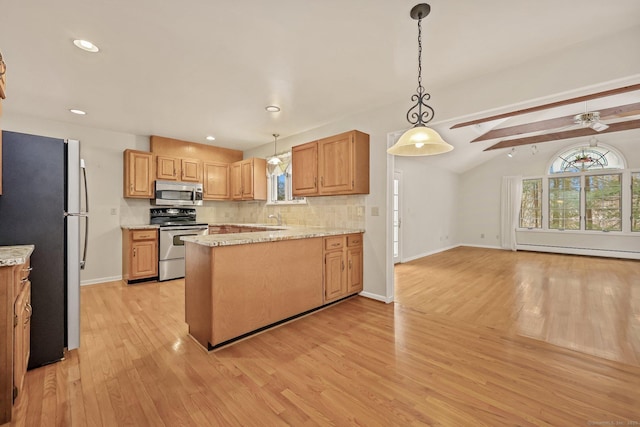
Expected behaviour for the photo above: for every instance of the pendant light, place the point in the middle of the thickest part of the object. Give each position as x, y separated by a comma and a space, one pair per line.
275, 160
420, 140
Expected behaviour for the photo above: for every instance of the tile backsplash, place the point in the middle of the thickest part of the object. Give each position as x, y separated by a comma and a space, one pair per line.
333, 211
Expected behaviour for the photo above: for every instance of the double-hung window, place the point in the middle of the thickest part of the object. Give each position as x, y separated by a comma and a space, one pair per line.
564, 203
603, 202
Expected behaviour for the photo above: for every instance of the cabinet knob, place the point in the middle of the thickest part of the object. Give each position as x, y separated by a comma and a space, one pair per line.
134, 251
342, 265
350, 264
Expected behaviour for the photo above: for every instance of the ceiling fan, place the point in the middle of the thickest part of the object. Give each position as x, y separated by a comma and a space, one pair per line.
589, 123
590, 120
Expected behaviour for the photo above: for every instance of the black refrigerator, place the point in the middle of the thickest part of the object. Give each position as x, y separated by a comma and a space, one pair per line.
40, 206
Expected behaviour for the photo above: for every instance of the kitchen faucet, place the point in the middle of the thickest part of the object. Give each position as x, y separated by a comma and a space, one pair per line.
278, 218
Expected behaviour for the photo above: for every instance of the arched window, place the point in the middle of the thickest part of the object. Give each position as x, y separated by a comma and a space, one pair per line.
582, 159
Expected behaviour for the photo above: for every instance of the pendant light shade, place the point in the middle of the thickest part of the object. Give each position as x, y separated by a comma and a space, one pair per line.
420, 140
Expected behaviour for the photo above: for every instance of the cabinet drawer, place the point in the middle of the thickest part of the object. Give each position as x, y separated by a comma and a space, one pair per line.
143, 234
354, 240
331, 243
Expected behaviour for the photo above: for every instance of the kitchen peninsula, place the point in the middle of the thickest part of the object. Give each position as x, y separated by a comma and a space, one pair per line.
237, 284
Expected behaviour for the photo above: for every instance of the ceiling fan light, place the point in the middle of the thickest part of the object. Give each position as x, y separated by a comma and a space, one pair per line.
420, 141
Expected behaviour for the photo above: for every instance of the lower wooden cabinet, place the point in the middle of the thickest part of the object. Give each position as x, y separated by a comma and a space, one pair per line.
15, 334
22, 337
343, 259
139, 254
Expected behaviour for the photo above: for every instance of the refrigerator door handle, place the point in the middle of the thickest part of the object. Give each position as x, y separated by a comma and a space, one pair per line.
86, 216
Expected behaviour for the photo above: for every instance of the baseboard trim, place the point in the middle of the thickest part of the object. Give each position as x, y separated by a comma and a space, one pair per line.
436, 251
100, 280
376, 297
580, 251
483, 246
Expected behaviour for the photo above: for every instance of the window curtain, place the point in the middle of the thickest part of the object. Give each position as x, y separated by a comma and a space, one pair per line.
510, 210
280, 168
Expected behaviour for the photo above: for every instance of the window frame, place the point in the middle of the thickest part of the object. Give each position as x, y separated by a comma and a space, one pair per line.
272, 188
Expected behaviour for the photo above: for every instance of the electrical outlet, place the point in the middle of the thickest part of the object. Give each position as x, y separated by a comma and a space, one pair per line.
482, 236
114, 211
360, 211
375, 211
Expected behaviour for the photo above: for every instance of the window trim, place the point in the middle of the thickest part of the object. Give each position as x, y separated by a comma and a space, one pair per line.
626, 203
271, 189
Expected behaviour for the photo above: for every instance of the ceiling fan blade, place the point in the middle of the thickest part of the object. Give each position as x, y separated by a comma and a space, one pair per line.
606, 113
602, 94
614, 127
599, 126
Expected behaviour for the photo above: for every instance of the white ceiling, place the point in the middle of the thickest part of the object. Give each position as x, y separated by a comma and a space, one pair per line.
187, 69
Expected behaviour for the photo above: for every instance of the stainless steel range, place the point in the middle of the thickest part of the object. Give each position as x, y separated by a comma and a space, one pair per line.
174, 224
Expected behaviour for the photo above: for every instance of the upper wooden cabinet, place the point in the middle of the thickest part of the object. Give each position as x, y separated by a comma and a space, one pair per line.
191, 170
216, 181
249, 179
304, 169
332, 166
178, 169
138, 174
167, 168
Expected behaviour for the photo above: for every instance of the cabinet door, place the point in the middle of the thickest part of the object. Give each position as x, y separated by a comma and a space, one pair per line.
144, 259
236, 181
190, 170
138, 174
216, 181
22, 336
247, 179
167, 168
335, 164
304, 169
354, 269
334, 276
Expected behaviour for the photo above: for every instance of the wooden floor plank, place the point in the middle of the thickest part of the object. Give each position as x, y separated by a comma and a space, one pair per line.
476, 337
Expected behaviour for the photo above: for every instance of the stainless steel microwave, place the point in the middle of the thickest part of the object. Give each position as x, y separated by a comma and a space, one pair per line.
173, 193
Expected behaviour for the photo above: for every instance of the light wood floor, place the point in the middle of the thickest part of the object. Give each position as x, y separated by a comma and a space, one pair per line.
456, 350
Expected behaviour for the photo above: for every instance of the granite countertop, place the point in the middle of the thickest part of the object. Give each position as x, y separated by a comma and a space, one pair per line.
15, 255
278, 233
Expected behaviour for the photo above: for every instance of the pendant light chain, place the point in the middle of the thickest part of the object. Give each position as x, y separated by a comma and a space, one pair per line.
420, 87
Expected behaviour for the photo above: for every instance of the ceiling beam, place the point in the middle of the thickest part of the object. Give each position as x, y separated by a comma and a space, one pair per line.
614, 127
610, 92
606, 113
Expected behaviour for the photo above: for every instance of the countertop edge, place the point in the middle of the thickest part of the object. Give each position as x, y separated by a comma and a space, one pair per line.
15, 255
290, 233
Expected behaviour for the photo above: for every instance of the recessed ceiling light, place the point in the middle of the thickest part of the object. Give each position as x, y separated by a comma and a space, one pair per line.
272, 108
86, 45
211, 138
78, 112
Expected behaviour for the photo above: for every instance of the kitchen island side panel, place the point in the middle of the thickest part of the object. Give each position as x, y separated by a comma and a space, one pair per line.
256, 285
197, 291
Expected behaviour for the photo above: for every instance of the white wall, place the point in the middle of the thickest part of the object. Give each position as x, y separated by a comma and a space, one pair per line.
429, 208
